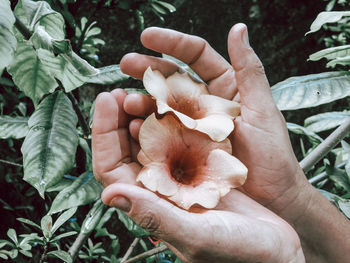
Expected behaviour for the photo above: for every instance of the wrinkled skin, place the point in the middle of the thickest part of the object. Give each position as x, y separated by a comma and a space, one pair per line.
238, 229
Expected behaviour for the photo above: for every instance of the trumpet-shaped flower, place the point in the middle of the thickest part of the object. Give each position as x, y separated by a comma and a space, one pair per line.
185, 165
191, 103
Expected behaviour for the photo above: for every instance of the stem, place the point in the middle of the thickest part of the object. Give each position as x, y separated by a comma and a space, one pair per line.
79, 241
320, 177
43, 256
130, 249
82, 122
22, 28
10, 163
147, 254
327, 145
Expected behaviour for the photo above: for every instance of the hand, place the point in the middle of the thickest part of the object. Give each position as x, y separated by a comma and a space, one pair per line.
238, 229
260, 139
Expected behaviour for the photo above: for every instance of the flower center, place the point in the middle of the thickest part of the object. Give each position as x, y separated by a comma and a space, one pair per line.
186, 106
184, 176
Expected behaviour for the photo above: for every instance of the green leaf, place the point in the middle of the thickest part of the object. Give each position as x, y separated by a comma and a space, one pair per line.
8, 44
46, 226
297, 129
59, 237
49, 148
130, 225
63, 255
339, 177
63, 218
331, 53
327, 17
62, 184
344, 206
83, 190
88, 155
311, 90
39, 13
41, 39
11, 233
107, 215
326, 121
160, 9
93, 217
7, 19
344, 61
29, 222
107, 75
168, 6
26, 253
29, 74
13, 127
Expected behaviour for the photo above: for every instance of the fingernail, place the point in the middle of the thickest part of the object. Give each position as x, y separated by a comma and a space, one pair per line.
121, 203
245, 38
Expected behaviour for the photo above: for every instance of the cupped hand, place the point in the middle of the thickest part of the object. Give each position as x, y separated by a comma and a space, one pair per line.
237, 230
260, 138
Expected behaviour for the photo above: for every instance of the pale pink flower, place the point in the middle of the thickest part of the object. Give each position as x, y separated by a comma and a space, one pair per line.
190, 101
185, 165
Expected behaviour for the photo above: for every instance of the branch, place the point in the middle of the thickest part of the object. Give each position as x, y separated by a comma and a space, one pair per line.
79, 241
147, 254
130, 249
22, 28
10, 163
320, 177
326, 146
82, 122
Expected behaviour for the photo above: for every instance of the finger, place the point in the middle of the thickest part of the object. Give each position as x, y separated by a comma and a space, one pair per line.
162, 219
110, 144
135, 65
134, 128
120, 95
139, 104
251, 80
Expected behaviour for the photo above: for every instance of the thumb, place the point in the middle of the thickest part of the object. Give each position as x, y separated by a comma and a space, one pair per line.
251, 80
161, 218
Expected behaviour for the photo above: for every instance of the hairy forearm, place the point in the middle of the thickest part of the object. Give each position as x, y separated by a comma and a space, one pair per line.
323, 230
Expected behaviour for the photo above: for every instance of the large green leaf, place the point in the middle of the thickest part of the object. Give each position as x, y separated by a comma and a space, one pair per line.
325, 121
50, 146
13, 127
83, 190
331, 53
327, 17
29, 74
311, 90
8, 41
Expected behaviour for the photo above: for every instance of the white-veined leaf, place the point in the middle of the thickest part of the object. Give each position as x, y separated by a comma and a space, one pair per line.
13, 127
107, 75
326, 121
327, 17
313, 137
50, 146
311, 90
331, 53
29, 74
8, 41
83, 190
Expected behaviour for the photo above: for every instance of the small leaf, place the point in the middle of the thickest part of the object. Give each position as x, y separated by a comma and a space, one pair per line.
107, 215
29, 74
160, 9
107, 75
63, 255
344, 206
63, 218
29, 222
50, 146
327, 17
326, 121
83, 190
297, 129
339, 177
11, 233
130, 225
93, 217
26, 253
311, 90
46, 226
344, 61
168, 6
13, 127
59, 237
88, 155
331, 53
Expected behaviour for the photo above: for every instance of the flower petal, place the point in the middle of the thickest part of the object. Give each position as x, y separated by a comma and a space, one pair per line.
155, 84
157, 178
217, 105
225, 169
216, 126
